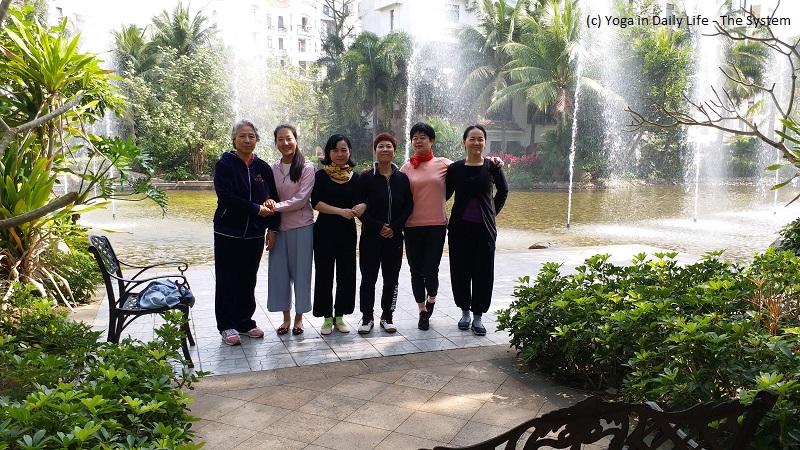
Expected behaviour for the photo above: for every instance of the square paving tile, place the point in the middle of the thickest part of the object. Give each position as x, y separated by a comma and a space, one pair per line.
358, 388
210, 406
423, 379
300, 426
379, 415
452, 405
431, 426
476, 432
404, 396
479, 390
264, 441
218, 435
399, 441
287, 397
502, 415
332, 405
347, 436
253, 416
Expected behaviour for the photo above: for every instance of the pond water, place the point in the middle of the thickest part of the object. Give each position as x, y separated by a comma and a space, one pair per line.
735, 217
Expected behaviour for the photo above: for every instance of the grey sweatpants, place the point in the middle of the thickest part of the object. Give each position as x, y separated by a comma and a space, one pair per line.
290, 265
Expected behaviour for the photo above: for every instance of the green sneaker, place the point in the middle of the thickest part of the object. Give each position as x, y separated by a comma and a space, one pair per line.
341, 327
327, 326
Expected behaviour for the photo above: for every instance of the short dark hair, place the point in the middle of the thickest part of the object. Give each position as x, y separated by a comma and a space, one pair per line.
239, 124
424, 128
473, 127
298, 160
331, 144
385, 136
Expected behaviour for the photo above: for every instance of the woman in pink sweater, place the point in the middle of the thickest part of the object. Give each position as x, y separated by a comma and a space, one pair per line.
426, 227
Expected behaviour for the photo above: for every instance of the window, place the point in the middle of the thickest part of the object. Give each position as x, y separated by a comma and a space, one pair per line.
304, 23
346, 9
269, 41
303, 65
301, 45
283, 63
452, 13
391, 21
280, 43
280, 23
326, 10
269, 21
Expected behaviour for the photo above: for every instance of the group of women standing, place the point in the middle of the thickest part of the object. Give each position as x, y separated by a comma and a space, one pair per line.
262, 206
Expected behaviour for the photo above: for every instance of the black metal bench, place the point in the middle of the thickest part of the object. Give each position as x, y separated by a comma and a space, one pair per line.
619, 425
124, 307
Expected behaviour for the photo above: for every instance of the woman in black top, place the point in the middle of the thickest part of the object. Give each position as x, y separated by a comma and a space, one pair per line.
472, 230
335, 197
387, 193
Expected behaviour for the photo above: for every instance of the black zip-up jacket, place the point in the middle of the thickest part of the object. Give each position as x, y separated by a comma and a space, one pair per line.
241, 191
387, 202
480, 187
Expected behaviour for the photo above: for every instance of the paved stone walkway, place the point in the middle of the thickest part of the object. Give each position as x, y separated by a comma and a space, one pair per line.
410, 389
418, 400
310, 348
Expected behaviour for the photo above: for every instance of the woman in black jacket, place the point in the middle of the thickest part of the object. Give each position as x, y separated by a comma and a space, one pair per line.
387, 193
472, 230
246, 194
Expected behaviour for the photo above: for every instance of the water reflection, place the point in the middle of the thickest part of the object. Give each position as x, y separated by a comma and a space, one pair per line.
732, 217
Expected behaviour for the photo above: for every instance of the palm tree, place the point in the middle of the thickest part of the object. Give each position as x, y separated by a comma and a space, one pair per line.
132, 51
373, 75
542, 64
181, 31
484, 54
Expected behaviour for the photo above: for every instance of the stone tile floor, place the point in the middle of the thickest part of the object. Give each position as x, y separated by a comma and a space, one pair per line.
409, 389
310, 348
418, 400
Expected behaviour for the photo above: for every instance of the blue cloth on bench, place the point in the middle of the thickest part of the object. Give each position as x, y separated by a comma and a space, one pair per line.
164, 293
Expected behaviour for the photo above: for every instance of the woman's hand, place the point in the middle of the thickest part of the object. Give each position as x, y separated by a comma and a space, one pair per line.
359, 209
270, 203
269, 244
387, 232
497, 161
346, 213
265, 211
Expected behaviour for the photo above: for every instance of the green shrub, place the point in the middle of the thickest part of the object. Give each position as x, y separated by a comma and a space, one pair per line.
790, 236
77, 266
61, 388
678, 335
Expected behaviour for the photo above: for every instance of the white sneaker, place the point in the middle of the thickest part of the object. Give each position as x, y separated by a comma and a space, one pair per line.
231, 337
340, 325
365, 328
388, 326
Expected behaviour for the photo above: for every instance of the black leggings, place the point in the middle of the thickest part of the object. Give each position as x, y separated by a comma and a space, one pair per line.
471, 266
334, 248
424, 246
377, 253
235, 266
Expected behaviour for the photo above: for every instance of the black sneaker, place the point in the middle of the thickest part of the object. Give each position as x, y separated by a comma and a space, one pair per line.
366, 325
424, 320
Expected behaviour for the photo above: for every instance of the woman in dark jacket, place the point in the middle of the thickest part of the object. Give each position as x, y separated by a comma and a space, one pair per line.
387, 194
246, 194
334, 196
472, 230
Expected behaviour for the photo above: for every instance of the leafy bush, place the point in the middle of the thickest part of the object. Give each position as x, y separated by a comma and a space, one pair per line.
678, 335
61, 388
78, 268
790, 236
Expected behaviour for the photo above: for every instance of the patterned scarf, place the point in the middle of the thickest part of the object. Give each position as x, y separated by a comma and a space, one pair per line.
338, 173
419, 158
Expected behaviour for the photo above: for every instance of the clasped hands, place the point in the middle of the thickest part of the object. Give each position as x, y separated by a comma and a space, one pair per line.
267, 209
351, 213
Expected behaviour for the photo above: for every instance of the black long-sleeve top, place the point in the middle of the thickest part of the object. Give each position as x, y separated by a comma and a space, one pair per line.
340, 195
241, 190
388, 201
466, 185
